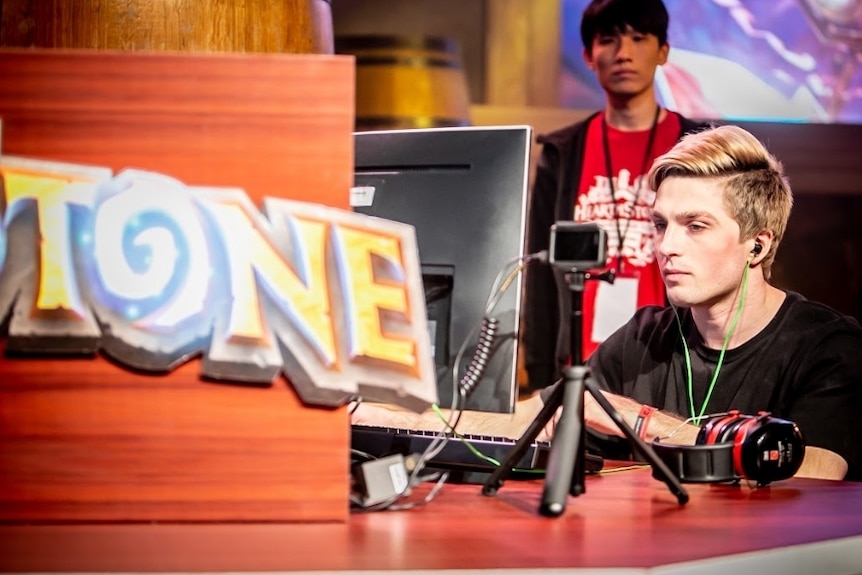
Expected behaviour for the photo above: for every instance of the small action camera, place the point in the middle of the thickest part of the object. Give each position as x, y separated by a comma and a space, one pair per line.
578, 246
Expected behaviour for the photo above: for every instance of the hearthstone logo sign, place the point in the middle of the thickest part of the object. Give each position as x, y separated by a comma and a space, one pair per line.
153, 273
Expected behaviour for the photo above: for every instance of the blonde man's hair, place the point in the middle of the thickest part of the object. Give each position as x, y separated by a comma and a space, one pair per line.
756, 192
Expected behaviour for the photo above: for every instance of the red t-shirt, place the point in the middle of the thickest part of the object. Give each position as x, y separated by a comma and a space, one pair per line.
632, 198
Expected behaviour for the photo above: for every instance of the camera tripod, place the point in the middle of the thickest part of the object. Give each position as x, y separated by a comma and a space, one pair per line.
566, 467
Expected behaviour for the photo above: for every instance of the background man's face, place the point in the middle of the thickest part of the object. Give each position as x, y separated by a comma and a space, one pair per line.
625, 63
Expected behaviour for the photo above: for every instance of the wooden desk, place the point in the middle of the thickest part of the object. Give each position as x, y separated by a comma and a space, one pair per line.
626, 521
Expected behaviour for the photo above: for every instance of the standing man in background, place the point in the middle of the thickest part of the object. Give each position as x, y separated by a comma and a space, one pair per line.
595, 170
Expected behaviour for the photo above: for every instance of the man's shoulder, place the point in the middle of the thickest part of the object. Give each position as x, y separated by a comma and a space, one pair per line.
807, 315
566, 134
689, 125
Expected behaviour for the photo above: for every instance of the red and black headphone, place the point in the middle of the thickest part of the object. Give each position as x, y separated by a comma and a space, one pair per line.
732, 446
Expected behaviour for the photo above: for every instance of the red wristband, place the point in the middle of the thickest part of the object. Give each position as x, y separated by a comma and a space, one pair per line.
642, 420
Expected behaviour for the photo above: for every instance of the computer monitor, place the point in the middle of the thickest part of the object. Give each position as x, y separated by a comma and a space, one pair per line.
464, 190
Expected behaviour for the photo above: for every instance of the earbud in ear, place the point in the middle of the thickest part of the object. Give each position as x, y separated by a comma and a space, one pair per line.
758, 247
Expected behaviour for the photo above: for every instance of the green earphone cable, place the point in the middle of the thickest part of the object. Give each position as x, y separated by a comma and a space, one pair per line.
696, 418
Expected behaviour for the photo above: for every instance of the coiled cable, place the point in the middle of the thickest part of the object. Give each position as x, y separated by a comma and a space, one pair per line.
481, 355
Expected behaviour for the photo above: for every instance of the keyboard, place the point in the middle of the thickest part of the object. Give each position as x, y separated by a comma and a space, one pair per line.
455, 454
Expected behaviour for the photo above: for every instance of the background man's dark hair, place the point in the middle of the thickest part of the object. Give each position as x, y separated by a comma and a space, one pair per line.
613, 16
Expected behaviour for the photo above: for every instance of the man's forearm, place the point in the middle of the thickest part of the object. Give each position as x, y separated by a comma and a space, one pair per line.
821, 463
660, 424
471, 422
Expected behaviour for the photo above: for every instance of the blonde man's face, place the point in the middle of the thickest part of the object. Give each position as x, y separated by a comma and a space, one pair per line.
697, 243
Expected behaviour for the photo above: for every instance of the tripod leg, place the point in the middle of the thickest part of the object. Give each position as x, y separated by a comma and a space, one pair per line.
495, 480
645, 450
566, 445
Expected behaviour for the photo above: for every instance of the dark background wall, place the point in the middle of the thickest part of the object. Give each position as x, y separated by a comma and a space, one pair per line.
821, 256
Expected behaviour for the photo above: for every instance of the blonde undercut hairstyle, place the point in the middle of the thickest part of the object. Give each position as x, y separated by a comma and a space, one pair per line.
756, 191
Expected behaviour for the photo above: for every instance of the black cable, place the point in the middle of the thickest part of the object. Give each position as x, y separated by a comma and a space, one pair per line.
487, 332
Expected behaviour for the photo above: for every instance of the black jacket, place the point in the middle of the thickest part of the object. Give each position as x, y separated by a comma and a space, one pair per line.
545, 341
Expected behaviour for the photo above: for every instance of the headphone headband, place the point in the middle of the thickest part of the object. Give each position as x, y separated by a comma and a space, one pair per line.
730, 447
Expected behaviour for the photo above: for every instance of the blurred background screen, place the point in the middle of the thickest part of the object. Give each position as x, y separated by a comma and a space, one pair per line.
776, 60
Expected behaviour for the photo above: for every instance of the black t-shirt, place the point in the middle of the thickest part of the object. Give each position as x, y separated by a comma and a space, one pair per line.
805, 366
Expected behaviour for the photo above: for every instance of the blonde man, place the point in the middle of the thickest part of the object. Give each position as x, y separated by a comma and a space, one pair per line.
730, 340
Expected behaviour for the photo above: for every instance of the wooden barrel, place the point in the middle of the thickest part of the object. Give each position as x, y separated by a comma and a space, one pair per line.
407, 82
290, 26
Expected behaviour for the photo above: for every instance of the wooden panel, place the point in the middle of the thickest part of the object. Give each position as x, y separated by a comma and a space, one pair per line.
272, 124
296, 26
506, 53
85, 439
544, 63
522, 51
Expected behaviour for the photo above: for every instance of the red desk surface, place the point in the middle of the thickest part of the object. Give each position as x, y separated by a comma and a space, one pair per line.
625, 520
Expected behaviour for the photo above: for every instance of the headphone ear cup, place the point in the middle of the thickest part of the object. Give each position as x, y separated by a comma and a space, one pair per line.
772, 449
739, 437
